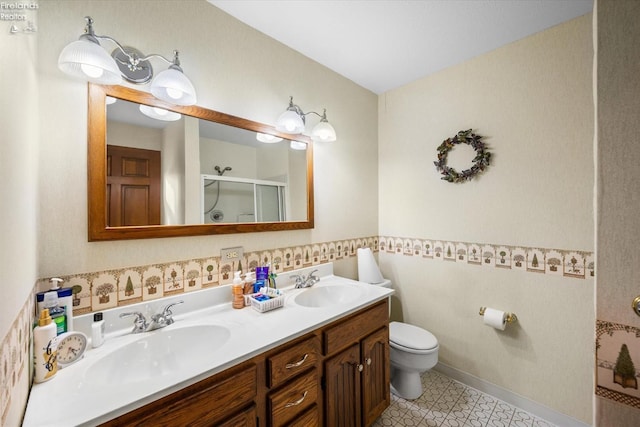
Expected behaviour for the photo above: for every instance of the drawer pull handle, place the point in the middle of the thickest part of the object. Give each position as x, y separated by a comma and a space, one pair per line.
295, 365
297, 402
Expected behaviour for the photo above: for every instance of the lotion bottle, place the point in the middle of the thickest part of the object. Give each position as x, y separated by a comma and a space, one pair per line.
97, 330
45, 348
238, 291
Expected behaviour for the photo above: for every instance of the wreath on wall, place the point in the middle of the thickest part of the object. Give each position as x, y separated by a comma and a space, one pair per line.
480, 162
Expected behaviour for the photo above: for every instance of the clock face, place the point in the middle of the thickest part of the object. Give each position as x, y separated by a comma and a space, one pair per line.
71, 347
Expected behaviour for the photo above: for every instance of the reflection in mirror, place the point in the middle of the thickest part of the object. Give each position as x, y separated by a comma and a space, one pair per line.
165, 167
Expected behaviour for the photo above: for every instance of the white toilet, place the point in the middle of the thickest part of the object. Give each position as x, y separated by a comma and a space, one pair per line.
413, 350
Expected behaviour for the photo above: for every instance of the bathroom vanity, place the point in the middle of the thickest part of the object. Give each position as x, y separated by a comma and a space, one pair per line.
322, 359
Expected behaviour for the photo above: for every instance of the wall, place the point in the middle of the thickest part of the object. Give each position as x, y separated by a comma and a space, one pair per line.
618, 225
234, 68
532, 102
19, 209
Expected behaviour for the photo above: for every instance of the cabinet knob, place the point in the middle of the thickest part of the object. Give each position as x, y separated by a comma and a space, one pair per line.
297, 402
299, 363
368, 361
360, 368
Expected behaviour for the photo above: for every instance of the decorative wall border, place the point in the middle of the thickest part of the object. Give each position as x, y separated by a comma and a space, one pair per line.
614, 360
556, 262
14, 354
101, 290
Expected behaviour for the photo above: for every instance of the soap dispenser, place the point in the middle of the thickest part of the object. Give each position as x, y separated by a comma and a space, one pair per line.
45, 348
238, 290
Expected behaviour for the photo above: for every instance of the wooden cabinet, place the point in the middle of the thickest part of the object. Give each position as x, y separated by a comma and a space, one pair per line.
336, 375
357, 377
217, 399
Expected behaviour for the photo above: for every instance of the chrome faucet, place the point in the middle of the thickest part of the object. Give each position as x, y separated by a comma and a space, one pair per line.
139, 323
306, 282
158, 320
165, 318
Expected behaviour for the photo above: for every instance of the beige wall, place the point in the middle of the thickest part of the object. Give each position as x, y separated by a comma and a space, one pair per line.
618, 202
19, 209
532, 101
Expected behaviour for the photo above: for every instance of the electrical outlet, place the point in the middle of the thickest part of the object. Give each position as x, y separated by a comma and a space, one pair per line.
231, 254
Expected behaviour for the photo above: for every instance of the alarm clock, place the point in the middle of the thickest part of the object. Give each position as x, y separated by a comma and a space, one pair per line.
71, 347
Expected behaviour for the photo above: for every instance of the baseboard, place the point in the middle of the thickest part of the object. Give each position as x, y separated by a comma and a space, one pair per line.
510, 397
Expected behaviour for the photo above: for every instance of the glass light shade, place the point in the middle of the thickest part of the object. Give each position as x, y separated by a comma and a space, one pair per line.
173, 86
266, 138
89, 61
159, 113
324, 132
297, 145
290, 122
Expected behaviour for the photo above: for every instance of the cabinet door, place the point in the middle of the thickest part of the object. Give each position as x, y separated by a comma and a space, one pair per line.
342, 389
246, 418
375, 376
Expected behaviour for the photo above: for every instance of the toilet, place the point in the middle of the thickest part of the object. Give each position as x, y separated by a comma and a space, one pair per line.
413, 350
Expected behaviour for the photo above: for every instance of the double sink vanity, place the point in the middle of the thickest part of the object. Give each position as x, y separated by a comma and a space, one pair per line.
322, 359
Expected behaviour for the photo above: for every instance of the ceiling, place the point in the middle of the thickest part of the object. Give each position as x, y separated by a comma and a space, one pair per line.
384, 44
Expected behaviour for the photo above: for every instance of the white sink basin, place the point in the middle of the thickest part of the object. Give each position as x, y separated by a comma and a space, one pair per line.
158, 353
330, 295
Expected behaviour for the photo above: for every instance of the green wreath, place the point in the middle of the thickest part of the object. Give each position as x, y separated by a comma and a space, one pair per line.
480, 162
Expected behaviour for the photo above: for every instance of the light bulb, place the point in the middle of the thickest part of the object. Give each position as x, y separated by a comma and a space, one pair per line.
174, 93
92, 71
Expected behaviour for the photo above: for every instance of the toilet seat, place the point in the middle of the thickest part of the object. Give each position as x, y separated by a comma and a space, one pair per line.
412, 339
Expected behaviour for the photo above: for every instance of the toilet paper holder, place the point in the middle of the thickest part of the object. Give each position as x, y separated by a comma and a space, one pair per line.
509, 317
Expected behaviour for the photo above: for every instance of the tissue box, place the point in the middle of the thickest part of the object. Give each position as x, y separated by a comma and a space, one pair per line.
267, 305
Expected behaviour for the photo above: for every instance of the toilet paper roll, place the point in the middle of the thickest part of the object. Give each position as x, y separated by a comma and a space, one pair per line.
495, 318
368, 270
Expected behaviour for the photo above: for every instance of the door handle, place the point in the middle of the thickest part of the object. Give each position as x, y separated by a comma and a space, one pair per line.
636, 305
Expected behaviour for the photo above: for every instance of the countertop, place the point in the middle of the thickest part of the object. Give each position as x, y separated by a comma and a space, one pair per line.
72, 398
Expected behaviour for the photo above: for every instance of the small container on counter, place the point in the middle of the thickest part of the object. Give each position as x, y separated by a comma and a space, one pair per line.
97, 330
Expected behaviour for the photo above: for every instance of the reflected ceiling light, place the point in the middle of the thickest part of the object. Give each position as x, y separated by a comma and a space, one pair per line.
267, 138
85, 58
159, 113
297, 145
293, 121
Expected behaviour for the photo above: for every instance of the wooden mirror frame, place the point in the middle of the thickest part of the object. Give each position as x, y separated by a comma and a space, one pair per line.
97, 171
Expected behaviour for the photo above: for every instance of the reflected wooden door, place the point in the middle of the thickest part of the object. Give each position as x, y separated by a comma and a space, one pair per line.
133, 186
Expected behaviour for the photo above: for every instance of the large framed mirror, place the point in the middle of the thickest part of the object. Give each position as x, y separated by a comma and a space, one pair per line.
162, 170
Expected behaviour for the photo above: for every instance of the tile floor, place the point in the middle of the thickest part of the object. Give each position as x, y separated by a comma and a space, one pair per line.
449, 403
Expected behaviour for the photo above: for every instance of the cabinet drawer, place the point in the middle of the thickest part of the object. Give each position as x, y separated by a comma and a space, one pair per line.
293, 399
351, 330
247, 418
292, 361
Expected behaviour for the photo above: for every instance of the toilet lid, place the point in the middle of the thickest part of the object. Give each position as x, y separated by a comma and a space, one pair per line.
411, 336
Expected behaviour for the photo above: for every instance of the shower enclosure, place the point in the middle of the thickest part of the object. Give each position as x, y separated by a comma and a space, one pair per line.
226, 199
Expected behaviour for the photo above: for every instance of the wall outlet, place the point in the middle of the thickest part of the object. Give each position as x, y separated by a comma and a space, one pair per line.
231, 254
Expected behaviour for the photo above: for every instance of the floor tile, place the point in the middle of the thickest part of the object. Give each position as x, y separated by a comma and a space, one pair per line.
449, 403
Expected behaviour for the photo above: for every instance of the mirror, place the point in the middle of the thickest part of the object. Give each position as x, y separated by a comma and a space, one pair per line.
203, 173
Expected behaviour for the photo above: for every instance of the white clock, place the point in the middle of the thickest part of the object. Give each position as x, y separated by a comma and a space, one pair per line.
71, 347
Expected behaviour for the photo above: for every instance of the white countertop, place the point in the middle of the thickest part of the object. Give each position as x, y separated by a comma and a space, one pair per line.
71, 399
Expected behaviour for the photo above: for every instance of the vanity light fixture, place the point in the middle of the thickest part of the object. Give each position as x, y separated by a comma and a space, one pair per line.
85, 58
293, 121
159, 113
267, 138
297, 145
